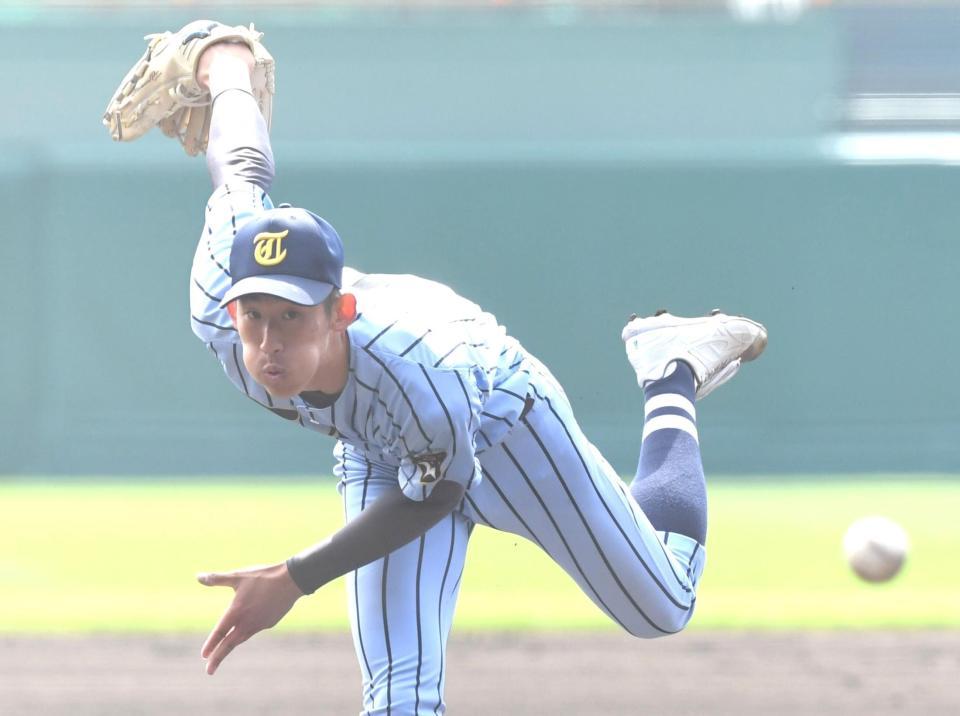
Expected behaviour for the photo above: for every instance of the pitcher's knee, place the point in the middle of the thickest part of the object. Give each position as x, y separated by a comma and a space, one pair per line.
660, 624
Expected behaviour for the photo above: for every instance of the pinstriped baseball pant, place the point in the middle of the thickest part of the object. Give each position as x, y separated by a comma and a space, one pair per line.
547, 483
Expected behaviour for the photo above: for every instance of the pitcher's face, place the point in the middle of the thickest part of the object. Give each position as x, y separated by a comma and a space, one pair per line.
285, 345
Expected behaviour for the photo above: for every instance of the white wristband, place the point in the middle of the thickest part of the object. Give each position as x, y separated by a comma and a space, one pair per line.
213, 97
228, 72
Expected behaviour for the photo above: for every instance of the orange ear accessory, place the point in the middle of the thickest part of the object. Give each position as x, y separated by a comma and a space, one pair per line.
347, 306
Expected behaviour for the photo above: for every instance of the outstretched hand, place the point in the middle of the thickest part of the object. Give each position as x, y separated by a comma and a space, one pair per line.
263, 596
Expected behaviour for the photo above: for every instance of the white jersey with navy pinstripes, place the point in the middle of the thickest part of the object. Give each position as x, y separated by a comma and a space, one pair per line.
433, 379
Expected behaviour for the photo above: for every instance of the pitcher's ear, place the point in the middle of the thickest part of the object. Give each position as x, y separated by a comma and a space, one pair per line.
232, 310
347, 307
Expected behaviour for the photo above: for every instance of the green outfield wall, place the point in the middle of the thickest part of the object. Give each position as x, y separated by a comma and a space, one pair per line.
562, 168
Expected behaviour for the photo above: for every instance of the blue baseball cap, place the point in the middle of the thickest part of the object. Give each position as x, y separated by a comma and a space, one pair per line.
286, 252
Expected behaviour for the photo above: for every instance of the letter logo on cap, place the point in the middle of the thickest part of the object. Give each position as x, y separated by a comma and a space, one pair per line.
266, 248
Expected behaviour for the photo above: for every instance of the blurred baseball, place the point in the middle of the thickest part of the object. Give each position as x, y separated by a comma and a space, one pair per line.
876, 548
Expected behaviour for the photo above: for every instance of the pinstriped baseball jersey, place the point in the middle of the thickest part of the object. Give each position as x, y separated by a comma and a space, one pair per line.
433, 379
436, 390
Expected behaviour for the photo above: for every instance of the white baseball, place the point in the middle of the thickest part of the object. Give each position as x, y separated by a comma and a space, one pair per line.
876, 548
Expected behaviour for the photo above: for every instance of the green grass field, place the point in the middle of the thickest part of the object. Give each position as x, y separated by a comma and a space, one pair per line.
84, 556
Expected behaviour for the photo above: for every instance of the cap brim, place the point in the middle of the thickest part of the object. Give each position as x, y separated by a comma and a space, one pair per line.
303, 291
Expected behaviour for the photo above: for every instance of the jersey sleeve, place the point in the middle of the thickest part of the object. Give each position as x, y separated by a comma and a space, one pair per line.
439, 420
229, 208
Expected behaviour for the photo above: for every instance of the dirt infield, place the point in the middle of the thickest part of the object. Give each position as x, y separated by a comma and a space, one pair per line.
694, 673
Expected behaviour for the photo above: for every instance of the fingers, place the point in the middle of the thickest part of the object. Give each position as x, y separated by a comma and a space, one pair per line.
228, 644
262, 598
219, 633
214, 579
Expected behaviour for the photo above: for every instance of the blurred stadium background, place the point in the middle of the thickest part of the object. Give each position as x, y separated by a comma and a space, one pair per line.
563, 164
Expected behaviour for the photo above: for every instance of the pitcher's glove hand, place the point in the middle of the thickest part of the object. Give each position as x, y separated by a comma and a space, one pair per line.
161, 89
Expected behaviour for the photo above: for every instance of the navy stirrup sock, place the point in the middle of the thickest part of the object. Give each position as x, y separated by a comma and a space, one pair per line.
669, 485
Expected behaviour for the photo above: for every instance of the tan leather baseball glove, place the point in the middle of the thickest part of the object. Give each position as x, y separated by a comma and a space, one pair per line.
161, 88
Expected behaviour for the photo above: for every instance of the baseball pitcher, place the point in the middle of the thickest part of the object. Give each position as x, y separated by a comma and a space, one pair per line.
442, 420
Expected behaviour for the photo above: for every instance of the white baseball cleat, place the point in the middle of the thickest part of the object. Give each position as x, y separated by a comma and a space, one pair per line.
713, 346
